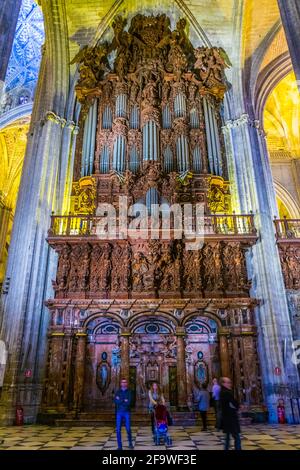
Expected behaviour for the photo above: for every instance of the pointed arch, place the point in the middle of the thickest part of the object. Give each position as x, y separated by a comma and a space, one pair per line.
118, 4
285, 196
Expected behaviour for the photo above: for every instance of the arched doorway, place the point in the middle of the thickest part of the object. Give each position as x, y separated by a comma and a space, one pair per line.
153, 358
202, 354
102, 363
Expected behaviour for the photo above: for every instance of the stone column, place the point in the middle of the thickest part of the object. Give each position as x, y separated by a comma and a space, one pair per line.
256, 192
125, 335
31, 265
79, 370
296, 174
5, 213
9, 13
224, 354
181, 369
290, 16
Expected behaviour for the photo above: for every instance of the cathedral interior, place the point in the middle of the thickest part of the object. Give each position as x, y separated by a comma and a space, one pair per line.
162, 105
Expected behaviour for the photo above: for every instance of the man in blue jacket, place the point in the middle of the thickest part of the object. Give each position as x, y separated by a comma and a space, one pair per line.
123, 399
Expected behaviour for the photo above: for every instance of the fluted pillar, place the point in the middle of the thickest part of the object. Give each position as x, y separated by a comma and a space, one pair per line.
31, 265
256, 192
224, 354
9, 13
181, 369
125, 358
5, 213
79, 370
290, 16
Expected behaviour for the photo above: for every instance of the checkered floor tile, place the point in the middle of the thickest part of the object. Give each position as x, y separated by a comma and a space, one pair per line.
258, 437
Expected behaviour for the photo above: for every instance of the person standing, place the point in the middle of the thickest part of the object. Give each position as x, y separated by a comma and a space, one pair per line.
216, 390
229, 411
123, 399
204, 399
155, 397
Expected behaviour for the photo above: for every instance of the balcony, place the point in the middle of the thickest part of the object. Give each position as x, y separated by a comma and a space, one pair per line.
287, 229
288, 241
222, 227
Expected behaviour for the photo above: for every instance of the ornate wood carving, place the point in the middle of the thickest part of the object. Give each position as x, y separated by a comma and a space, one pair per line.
290, 262
153, 268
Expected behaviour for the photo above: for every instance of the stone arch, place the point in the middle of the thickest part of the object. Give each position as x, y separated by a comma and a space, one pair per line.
105, 315
181, 5
148, 313
285, 196
206, 313
21, 112
267, 80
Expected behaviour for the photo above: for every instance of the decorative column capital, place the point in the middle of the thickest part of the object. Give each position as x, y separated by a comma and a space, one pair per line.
51, 116
241, 121
180, 331
125, 332
72, 126
232, 123
224, 332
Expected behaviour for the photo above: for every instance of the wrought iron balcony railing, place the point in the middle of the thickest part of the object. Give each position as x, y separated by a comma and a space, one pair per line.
287, 229
214, 226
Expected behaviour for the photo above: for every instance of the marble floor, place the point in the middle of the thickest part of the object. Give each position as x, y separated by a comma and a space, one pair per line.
255, 437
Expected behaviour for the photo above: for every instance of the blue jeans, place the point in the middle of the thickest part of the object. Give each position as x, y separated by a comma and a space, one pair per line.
126, 416
237, 441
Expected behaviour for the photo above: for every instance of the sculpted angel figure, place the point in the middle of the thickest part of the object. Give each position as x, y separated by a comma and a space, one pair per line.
139, 270
122, 42
93, 62
184, 41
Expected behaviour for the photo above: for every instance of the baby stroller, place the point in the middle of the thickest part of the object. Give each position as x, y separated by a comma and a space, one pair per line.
161, 434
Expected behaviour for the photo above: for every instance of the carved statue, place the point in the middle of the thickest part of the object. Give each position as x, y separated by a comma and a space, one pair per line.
177, 61
74, 275
140, 268
184, 42
134, 92
292, 260
96, 268
94, 64
150, 94
129, 180
167, 272
120, 268
170, 346
166, 90
213, 279
84, 267
63, 269
233, 259
211, 63
105, 265
192, 278
121, 42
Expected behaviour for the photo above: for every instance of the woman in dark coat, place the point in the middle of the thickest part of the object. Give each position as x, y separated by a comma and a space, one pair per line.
229, 414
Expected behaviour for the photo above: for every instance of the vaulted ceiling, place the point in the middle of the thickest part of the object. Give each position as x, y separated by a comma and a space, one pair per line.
282, 120
13, 140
